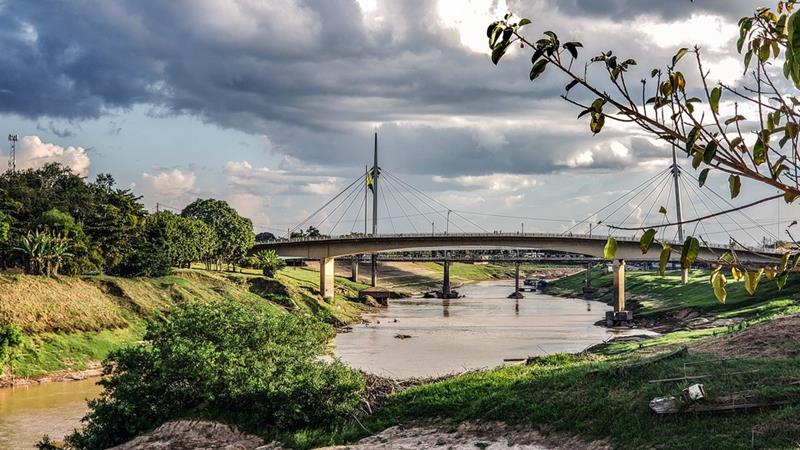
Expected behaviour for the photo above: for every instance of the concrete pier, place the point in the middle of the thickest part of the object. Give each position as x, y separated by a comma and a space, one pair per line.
326, 269
354, 268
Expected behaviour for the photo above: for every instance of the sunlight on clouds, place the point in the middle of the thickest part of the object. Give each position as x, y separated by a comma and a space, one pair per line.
709, 31
470, 18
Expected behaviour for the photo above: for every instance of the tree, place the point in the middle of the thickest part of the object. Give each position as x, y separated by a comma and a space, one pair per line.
222, 359
269, 262
692, 117
44, 252
234, 233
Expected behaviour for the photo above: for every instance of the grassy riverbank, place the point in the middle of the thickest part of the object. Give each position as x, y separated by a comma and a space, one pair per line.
69, 322
603, 394
656, 297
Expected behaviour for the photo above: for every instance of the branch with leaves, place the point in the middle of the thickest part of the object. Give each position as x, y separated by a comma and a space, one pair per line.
667, 108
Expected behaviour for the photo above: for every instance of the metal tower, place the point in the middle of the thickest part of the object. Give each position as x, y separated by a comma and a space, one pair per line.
12, 159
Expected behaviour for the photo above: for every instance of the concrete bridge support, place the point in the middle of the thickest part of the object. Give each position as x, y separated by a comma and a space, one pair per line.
354, 268
589, 275
374, 267
620, 316
684, 276
446, 280
619, 285
326, 268
516, 294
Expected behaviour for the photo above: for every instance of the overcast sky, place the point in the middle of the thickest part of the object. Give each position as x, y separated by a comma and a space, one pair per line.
271, 105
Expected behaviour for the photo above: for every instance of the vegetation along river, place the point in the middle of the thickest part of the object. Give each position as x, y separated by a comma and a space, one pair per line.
480, 330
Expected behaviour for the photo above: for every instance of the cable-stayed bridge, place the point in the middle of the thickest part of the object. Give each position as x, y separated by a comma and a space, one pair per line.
347, 225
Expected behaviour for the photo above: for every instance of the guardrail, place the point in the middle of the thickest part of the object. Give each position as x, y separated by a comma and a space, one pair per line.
358, 237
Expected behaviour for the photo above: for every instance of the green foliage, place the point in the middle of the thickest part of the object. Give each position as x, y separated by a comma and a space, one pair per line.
10, 337
5, 226
222, 360
234, 233
269, 262
44, 252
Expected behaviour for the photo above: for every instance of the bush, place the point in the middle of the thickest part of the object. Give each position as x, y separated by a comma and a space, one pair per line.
269, 262
222, 360
10, 337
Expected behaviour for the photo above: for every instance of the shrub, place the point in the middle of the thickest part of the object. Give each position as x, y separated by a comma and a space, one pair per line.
269, 262
10, 337
221, 360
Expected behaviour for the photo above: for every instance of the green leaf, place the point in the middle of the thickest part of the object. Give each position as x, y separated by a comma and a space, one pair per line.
524, 22
782, 281
597, 122
498, 52
790, 197
697, 158
736, 118
735, 184
662, 210
703, 177
691, 138
785, 261
793, 46
679, 55
663, 259
647, 240
689, 251
710, 151
759, 152
610, 249
716, 93
570, 46
571, 84
747, 57
718, 281
538, 69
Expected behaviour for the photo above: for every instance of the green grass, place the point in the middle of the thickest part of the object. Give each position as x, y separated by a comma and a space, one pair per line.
71, 321
659, 296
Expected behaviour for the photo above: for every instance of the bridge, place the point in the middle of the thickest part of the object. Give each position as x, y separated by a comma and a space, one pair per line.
586, 247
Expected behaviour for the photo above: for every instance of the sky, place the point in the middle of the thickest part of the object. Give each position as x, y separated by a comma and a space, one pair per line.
272, 106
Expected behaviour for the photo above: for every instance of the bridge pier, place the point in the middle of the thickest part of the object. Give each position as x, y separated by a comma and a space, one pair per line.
446, 280
684, 276
326, 268
354, 268
374, 267
517, 294
619, 316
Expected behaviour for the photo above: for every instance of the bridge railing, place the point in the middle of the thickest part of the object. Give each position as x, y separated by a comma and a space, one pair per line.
357, 237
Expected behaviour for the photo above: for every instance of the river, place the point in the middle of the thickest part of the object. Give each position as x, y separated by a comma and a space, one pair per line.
477, 331
28, 412
480, 330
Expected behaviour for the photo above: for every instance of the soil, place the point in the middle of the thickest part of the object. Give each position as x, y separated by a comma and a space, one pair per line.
94, 369
778, 338
469, 435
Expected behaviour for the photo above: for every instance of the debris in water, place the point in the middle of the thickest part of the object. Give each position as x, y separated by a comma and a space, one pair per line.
403, 336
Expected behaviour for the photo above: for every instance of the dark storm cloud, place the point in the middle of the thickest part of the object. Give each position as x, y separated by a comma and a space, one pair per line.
313, 76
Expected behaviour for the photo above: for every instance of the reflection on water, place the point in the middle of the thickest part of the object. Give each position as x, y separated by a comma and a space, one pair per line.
55, 409
477, 331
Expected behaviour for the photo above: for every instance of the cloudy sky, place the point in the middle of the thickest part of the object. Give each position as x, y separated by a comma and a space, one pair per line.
271, 105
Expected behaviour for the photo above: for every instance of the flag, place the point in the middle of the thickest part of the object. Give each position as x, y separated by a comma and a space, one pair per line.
370, 183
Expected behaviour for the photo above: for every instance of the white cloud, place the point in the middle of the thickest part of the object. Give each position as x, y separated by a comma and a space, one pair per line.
169, 184
32, 153
709, 31
264, 181
496, 182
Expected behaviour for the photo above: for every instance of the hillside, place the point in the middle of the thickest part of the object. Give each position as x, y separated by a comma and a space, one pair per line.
70, 322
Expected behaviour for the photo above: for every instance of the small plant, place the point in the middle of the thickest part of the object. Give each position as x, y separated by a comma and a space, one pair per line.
269, 262
44, 252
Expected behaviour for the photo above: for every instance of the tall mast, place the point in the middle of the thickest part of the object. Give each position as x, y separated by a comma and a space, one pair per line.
676, 173
366, 193
375, 174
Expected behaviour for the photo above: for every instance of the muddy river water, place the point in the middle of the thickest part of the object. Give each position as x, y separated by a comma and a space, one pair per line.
480, 330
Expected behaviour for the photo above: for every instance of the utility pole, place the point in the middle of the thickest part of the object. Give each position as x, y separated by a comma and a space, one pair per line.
447, 227
523, 227
12, 159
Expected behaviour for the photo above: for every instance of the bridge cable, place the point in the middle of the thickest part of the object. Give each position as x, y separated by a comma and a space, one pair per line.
412, 190
410, 222
414, 205
363, 204
701, 193
700, 223
388, 214
656, 201
732, 206
442, 205
422, 201
628, 203
594, 214
356, 197
353, 191
634, 209
361, 177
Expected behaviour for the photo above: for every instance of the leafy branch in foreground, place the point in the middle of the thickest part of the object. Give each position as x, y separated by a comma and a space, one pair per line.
708, 122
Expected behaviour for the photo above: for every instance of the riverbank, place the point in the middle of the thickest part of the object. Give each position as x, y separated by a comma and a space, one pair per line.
72, 323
